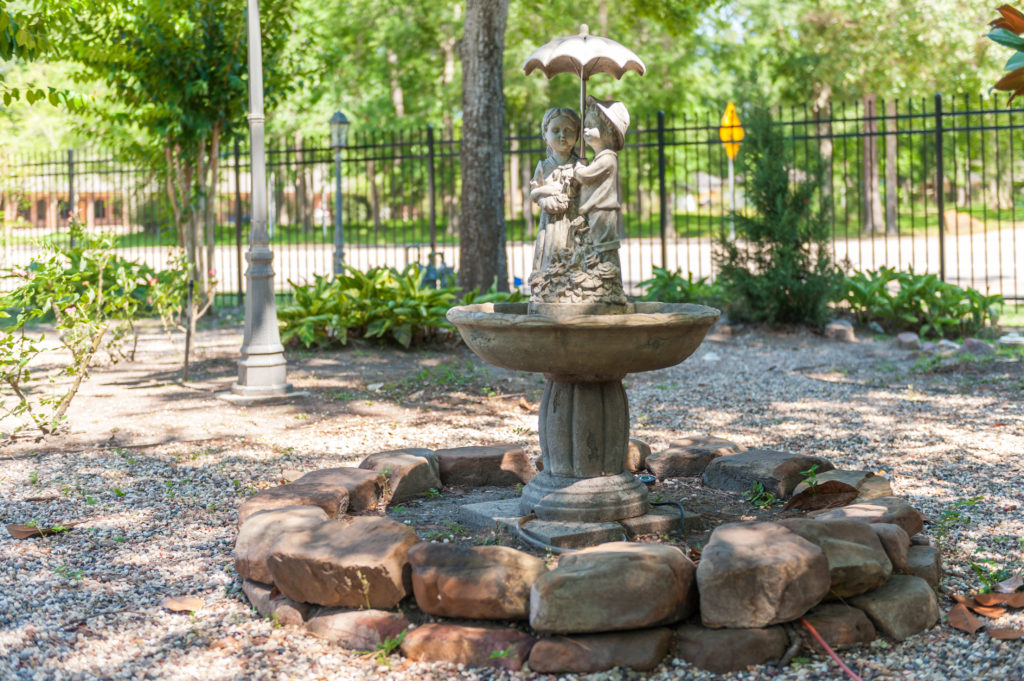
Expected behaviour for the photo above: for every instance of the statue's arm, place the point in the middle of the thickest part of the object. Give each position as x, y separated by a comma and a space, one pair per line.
598, 170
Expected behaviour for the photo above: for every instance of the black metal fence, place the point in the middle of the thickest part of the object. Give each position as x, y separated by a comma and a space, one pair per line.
931, 184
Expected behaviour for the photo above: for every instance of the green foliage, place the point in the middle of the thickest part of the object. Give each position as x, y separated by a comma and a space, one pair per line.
760, 497
810, 476
671, 287
94, 297
951, 517
778, 270
381, 303
923, 303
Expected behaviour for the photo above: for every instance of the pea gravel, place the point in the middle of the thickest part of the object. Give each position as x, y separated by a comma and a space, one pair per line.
154, 472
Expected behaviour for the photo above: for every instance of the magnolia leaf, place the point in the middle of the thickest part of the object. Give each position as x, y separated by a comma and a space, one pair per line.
1006, 38
1014, 62
28, 531
830, 494
1011, 600
1011, 81
1006, 634
992, 611
961, 618
1011, 20
1008, 586
182, 603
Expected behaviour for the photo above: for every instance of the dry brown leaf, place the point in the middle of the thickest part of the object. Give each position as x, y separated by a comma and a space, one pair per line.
1008, 586
1006, 634
961, 618
524, 405
1014, 600
28, 531
830, 494
992, 611
182, 603
961, 599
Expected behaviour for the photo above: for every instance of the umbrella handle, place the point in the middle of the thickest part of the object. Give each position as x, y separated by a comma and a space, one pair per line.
583, 100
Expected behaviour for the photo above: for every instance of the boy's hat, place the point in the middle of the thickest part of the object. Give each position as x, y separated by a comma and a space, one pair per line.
616, 114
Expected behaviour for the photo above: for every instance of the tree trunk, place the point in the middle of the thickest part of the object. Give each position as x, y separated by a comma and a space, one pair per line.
892, 225
823, 129
482, 243
870, 180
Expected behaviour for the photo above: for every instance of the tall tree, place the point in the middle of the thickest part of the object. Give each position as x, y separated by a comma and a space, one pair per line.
176, 71
482, 239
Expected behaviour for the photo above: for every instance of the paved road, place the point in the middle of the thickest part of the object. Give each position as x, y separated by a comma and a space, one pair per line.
992, 261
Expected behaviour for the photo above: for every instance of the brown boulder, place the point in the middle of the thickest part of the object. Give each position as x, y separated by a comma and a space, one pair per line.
856, 560
502, 465
895, 542
728, 650
636, 455
779, 472
904, 606
356, 629
407, 473
363, 486
259, 532
353, 563
612, 587
475, 646
842, 626
689, 457
587, 653
755, 574
478, 582
272, 604
924, 562
892, 510
869, 485
332, 498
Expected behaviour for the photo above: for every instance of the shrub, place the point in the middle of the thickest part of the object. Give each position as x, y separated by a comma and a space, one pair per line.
380, 303
672, 287
780, 271
901, 301
94, 297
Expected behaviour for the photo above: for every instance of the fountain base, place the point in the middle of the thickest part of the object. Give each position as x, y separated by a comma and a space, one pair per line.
590, 500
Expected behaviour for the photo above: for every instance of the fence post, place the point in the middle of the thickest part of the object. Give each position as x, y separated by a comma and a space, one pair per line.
238, 224
431, 201
939, 182
662, 194
71, 193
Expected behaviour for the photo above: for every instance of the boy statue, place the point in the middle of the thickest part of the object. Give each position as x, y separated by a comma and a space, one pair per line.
604, 130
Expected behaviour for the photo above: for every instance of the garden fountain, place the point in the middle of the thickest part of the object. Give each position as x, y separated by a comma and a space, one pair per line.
579, 330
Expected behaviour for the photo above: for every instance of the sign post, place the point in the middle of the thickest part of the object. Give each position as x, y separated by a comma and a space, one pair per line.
731, 134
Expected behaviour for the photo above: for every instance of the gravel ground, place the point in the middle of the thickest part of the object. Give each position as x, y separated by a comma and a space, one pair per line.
153, 472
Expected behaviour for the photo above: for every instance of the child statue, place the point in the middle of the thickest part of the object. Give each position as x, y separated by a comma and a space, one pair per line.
552, 187
604, 130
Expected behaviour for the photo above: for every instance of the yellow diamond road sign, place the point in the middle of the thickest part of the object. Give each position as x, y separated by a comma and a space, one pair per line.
731, 132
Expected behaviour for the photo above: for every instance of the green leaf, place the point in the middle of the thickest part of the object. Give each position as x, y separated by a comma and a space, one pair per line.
1006, 38
1015, 62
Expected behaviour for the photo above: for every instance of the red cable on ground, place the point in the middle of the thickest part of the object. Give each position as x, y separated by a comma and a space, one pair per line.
832, 654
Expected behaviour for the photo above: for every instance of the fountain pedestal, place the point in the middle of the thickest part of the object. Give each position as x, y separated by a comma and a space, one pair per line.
584, 415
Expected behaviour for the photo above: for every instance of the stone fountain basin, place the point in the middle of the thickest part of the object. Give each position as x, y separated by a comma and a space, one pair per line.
584, 347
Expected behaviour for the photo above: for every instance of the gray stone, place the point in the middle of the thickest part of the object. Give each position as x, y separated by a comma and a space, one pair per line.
895, 542
755, 574
946, 347
904, 606
908, 340
728, 650
361, 630
614, 587
920, 539
491, 515
892, 510
572, 535
662, 520
259, 532
332, 498
588, 653
840, 330
475, 582
272, 604
689, 457
408, 473
354, 563
924, 562
779, 472
636, 455
1012, 339
474, 646
869, 485
978, 348
840, 625
502, 465
856, 560
363, 486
